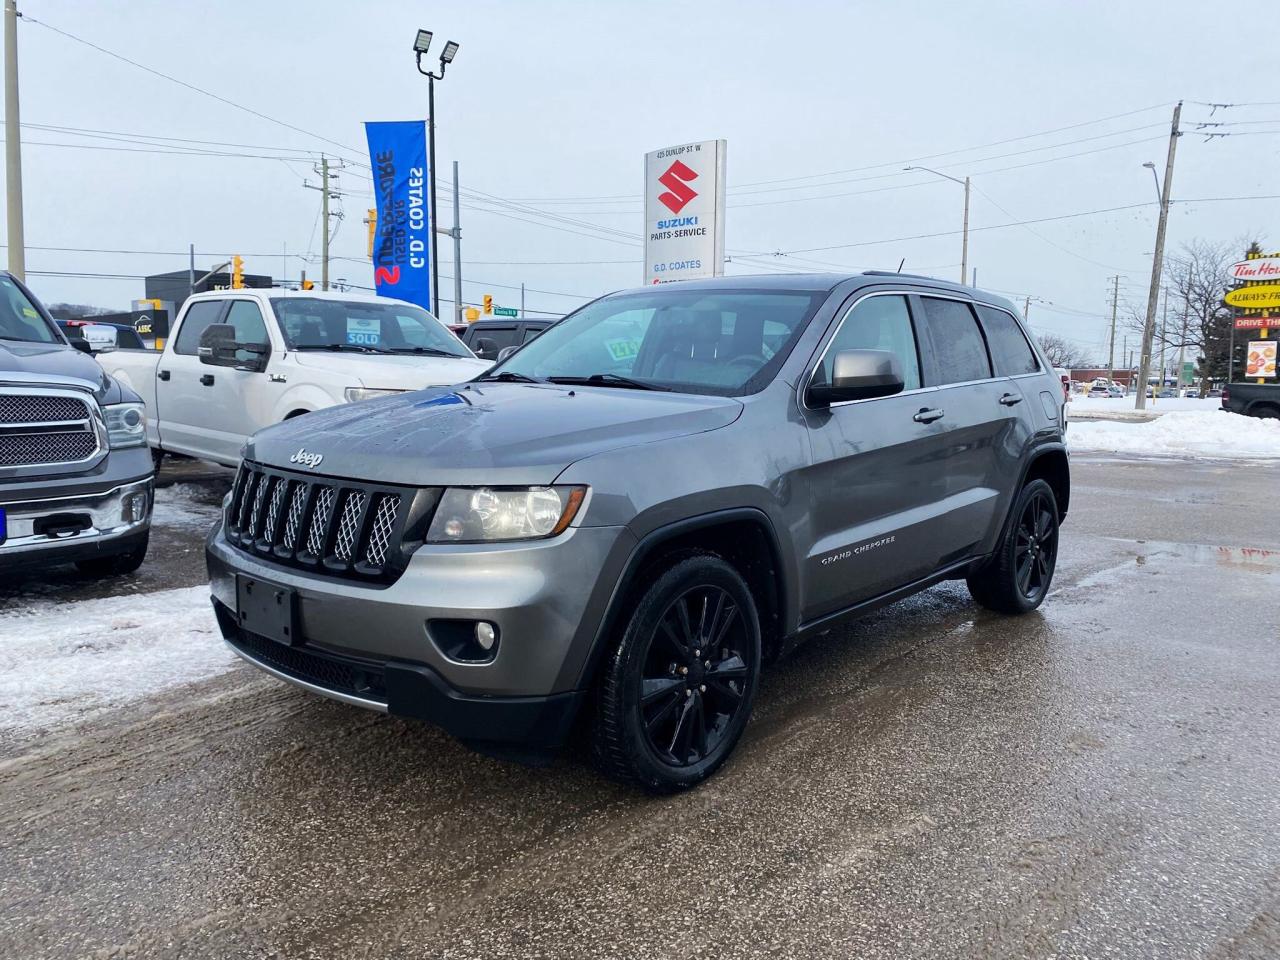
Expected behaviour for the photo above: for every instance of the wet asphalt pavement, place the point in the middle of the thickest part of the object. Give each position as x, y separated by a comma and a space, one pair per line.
1098, 779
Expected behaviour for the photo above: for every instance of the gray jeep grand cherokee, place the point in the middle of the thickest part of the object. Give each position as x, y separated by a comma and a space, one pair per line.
640, 507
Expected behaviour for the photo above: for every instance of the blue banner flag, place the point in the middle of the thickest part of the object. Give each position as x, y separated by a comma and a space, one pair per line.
402, 243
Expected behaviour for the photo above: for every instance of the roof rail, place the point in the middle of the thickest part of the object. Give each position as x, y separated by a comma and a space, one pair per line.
895, 273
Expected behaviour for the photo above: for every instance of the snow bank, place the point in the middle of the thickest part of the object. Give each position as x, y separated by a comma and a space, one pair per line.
60, 661
1205, 434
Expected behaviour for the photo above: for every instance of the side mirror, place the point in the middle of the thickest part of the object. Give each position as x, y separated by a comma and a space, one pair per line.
219, 348
100, 337
506, 352
859, 375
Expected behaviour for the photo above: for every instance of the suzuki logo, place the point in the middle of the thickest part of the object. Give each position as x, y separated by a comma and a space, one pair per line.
676, 181
311, 460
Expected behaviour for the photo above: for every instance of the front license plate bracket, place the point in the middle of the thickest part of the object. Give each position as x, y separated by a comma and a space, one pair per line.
267, 609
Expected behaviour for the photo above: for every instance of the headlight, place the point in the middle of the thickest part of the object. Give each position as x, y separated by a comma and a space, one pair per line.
356, 394
126, 424
480, 514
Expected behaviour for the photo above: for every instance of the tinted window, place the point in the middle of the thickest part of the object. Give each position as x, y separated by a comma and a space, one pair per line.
957, 341
530, 333
487, 341
199, 316
726, 342
245, 316
1010, 351
876, 323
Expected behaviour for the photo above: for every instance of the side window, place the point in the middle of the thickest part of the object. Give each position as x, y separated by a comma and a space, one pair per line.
957, 342
245, 316
487, 341
530, 333
876, 323
199, 316
1010, 351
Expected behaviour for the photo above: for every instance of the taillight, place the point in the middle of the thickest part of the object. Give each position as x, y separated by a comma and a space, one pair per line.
1226, 395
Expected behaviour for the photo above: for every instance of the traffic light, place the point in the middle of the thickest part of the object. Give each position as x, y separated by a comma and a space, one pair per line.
237, 272
488, 304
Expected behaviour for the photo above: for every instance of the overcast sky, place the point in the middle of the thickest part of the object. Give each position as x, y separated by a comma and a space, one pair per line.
553, 104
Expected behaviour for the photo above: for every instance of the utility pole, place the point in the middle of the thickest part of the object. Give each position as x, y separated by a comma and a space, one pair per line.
13, 144
1164, 340
457, 244
1026, 308
1111, 352
521, 301
191, 271
326, 191
1157, 266
964, 248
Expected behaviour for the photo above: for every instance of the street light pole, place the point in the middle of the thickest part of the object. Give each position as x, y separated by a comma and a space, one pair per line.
420, 46
13, 143
1157, 265
964, 246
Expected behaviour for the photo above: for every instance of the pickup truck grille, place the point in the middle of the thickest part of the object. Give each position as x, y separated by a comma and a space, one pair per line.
43, 429
339, 528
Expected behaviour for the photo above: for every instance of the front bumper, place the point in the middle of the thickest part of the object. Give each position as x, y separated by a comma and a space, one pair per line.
371, 645
63, 528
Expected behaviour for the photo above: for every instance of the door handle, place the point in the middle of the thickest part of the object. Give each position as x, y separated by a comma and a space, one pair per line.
207, 379
163, 374
928, 416
1009, 399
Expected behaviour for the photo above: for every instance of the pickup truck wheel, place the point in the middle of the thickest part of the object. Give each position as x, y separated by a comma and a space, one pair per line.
117, 564
677, 691
1266, 411
1017, 577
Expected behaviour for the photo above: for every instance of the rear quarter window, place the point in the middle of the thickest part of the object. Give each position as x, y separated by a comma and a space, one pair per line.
1010, 351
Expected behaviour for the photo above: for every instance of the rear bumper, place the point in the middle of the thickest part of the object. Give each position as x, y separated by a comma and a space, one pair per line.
89, 525
519, 727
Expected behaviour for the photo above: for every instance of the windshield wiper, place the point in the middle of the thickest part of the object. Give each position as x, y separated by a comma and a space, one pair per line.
357, 348
429, 351
610, 380
507, 376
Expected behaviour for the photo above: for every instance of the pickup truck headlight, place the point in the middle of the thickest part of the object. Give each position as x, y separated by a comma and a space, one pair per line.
484, 514
356, 394
126, 424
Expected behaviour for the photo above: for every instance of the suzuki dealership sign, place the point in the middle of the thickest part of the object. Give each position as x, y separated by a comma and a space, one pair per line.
402, 245
684, 212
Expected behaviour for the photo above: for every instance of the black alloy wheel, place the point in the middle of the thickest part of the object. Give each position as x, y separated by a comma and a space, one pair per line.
695, 673
1036, 547
676, 691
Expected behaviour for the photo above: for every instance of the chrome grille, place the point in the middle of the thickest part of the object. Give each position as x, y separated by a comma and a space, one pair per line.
384, 520
348, 529
294, 520
348, 526
320, 521
45, 429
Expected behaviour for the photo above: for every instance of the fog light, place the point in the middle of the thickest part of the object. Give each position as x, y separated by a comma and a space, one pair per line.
486, 635
135, 508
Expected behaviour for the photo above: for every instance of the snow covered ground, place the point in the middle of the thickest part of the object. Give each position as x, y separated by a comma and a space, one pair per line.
1205, 434
62, 661
1107, 406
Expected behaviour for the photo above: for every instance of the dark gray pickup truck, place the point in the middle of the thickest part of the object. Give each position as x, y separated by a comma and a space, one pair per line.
1252, 399
75, 473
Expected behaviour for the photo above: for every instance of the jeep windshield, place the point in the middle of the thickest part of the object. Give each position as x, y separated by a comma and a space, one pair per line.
318, 323
725, 342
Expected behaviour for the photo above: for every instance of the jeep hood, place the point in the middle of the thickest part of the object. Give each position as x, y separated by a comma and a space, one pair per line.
484, 433
392, 372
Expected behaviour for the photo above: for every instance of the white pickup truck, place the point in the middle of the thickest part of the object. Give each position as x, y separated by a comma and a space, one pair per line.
239, 360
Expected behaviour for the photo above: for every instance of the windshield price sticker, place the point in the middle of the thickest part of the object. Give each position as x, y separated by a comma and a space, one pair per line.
623, 348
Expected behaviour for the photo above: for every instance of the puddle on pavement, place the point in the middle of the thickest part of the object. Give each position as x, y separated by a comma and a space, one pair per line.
1245, 558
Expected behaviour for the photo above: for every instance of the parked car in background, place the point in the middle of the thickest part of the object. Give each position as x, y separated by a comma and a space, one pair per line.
1100, 390
1115, 391
239, 360
101, 336
1252, 399
489, 337
75, 476
1191, 393
643, 505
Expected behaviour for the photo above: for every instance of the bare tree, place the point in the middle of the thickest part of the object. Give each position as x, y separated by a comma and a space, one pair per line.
1062, 352
73, 311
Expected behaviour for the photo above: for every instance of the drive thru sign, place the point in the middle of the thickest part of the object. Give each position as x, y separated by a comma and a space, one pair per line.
684, 212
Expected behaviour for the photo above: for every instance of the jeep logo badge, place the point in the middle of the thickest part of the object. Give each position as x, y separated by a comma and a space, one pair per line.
311, 460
